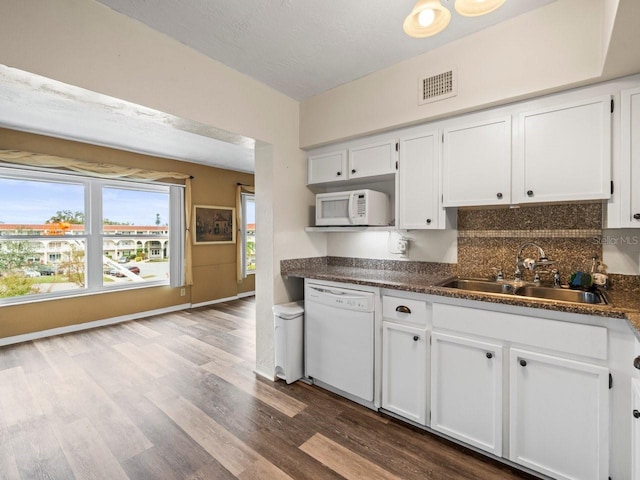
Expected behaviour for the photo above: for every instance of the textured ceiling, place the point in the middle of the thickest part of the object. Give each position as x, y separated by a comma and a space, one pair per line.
298, 47
304, 47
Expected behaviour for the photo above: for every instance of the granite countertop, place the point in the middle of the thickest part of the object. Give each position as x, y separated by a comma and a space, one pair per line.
623, 304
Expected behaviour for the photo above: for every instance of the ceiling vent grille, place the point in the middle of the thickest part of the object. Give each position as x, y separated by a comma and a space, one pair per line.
432, 88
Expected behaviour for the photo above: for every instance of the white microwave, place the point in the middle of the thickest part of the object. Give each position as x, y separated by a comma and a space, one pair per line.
356, 207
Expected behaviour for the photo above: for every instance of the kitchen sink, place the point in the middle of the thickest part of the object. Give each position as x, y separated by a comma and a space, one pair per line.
562, 294
478, 285
526, 290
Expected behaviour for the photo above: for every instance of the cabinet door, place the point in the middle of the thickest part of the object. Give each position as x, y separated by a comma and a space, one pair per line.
635, 429
466, 390
559, 416
564, 153
327, 167
418, 183
404, 371
630, 191
372, 160
477, 163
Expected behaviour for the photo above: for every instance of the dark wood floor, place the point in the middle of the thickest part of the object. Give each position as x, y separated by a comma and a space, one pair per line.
174, 397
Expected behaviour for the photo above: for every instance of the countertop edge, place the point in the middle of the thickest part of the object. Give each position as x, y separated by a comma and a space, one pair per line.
430, 287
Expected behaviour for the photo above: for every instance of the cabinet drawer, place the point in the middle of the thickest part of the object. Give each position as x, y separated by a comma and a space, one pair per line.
404, 310
571, 338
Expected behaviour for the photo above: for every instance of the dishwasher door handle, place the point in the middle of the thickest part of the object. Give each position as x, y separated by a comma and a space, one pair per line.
339, 293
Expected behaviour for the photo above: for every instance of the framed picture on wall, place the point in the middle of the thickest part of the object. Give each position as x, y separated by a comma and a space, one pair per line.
213, 225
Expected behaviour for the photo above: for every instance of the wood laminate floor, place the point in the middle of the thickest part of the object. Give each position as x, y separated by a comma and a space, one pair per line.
174, 397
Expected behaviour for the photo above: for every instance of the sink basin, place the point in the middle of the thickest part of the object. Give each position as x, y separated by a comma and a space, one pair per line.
532, 291
562, 294
477, 285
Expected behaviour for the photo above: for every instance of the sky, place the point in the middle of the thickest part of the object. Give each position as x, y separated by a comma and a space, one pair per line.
33, 202
250, 215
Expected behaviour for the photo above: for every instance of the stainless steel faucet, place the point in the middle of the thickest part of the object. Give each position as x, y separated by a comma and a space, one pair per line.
529, 263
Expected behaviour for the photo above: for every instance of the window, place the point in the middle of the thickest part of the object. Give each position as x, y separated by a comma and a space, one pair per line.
249, 233
66, 234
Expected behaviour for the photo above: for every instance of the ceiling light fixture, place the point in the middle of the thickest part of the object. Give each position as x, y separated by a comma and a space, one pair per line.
475, 8
427, 18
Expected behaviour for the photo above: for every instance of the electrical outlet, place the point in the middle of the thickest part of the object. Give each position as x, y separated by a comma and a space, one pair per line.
183, 292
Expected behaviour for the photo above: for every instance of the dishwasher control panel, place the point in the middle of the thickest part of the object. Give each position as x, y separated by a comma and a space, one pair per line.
340, 297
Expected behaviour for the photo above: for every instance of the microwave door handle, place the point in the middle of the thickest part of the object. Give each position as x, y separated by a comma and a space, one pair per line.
350, 208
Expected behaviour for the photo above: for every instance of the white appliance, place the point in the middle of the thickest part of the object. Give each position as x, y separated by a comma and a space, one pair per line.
339, 340
356, 207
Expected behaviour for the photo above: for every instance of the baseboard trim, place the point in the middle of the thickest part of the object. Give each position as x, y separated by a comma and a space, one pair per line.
26, 337
271, 378
222, 300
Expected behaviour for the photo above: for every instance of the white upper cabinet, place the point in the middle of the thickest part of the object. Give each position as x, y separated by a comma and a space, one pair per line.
418, 192
477, 162
353, 162
373, 160
327, 167
630, 161
563, 152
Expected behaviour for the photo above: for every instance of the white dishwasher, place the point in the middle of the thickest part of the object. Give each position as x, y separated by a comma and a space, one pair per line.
339, 340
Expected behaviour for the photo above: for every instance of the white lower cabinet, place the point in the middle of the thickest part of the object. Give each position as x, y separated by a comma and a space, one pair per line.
635, 429
404, 371
466, 390
559, 416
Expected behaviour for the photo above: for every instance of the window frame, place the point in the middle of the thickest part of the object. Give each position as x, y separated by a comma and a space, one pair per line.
94, 236
243, 232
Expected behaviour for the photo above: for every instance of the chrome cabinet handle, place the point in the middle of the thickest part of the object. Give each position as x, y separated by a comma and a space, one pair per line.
403, 309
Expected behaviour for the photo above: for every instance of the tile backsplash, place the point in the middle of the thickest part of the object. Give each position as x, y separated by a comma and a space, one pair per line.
490, 238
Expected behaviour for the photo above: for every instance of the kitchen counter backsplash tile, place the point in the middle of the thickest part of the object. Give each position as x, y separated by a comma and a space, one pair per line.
425, 268
490, 238
478, 256
626, 283
577, 216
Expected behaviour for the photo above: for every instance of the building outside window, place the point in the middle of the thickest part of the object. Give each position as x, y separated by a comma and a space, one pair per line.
66, 234
248, 231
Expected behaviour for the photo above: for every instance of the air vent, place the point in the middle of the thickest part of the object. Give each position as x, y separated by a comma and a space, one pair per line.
432, 88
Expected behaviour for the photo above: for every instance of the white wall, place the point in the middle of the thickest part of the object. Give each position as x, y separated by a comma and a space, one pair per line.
547, 49
83, 43
424, 246
621, 251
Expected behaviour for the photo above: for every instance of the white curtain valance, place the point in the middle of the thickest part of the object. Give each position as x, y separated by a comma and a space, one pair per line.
103, 170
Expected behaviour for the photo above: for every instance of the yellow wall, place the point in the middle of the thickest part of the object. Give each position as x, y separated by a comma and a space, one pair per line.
214, 266
86, 44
